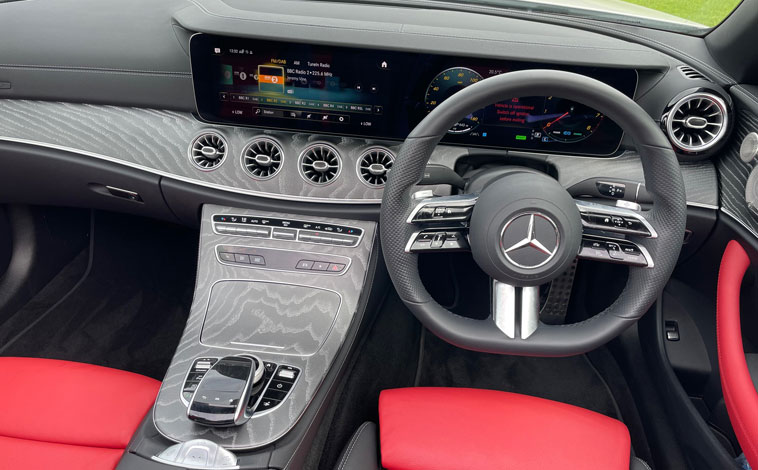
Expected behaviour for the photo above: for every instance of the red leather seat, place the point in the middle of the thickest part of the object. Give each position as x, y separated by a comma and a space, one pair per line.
66, 415
460, 429
456, 428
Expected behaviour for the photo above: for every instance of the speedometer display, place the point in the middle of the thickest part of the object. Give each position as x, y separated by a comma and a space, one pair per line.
445, 85
568, 121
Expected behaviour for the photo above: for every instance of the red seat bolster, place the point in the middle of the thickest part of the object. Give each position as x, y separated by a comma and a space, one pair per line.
63, 402
739, 392
458, 429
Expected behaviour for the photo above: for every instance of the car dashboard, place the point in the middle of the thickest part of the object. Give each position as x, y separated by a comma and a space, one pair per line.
255, 118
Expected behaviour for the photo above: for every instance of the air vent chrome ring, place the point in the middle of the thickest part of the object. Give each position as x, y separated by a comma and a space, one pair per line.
208, 150
320, 164
262, 158
697, 122
373, 166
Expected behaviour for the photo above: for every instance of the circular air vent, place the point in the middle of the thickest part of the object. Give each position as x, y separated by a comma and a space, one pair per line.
373, 166
697, 122
208, 151
262, 158
320, 164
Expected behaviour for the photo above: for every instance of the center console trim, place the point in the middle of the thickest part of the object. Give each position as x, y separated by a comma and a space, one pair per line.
266, 428
274, 349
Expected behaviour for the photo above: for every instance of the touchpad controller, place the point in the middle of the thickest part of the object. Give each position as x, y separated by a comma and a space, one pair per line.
269, 317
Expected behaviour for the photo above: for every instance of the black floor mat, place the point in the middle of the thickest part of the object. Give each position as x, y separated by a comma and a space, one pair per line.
129, 310
571, 380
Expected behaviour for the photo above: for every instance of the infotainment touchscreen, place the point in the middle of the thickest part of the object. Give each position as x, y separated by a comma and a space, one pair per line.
384, 94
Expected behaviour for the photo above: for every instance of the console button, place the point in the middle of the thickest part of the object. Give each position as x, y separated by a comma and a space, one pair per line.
260, 232
267, 404
275, 394
195, 376
256, 259
280, 385
304, 265
227, 257
191, 387
320, 266
228, 229
286, 374
240, 258
284, 234
336, 267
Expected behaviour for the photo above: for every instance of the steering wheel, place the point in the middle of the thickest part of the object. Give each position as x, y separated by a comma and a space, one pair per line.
524, 229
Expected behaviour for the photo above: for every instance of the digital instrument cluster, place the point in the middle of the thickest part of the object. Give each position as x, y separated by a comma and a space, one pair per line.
384, 94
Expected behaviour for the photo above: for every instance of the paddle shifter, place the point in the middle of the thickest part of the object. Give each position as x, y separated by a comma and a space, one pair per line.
222, 396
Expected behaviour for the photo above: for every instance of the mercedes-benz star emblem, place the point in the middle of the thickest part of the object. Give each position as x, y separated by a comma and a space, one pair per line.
530, 240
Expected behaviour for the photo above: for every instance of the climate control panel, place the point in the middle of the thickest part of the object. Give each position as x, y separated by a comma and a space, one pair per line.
287, 230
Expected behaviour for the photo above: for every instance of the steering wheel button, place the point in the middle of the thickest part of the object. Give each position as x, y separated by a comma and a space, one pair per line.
440, 211
438, 240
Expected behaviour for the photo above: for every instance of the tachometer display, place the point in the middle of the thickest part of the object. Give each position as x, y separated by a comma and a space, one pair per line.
568, 121
445, 85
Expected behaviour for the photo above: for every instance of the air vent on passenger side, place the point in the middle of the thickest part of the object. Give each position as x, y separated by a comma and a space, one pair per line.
696, 122
208, 151
691, 73
262, 158
373, 166
320, 164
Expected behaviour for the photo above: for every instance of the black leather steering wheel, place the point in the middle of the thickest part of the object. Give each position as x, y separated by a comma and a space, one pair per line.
542, 217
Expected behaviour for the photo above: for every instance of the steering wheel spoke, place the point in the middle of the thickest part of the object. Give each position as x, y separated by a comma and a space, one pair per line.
516, 310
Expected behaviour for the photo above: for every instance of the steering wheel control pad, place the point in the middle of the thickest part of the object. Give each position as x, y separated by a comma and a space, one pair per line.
525, 229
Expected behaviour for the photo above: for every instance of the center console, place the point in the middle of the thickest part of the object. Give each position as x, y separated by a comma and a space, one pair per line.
275, 293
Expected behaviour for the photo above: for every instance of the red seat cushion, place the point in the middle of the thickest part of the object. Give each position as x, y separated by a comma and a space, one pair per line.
458, 429
71, 414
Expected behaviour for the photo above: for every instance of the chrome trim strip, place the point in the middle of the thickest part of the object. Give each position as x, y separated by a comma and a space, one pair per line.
703, 205
247, 192
504, 307
739, 221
